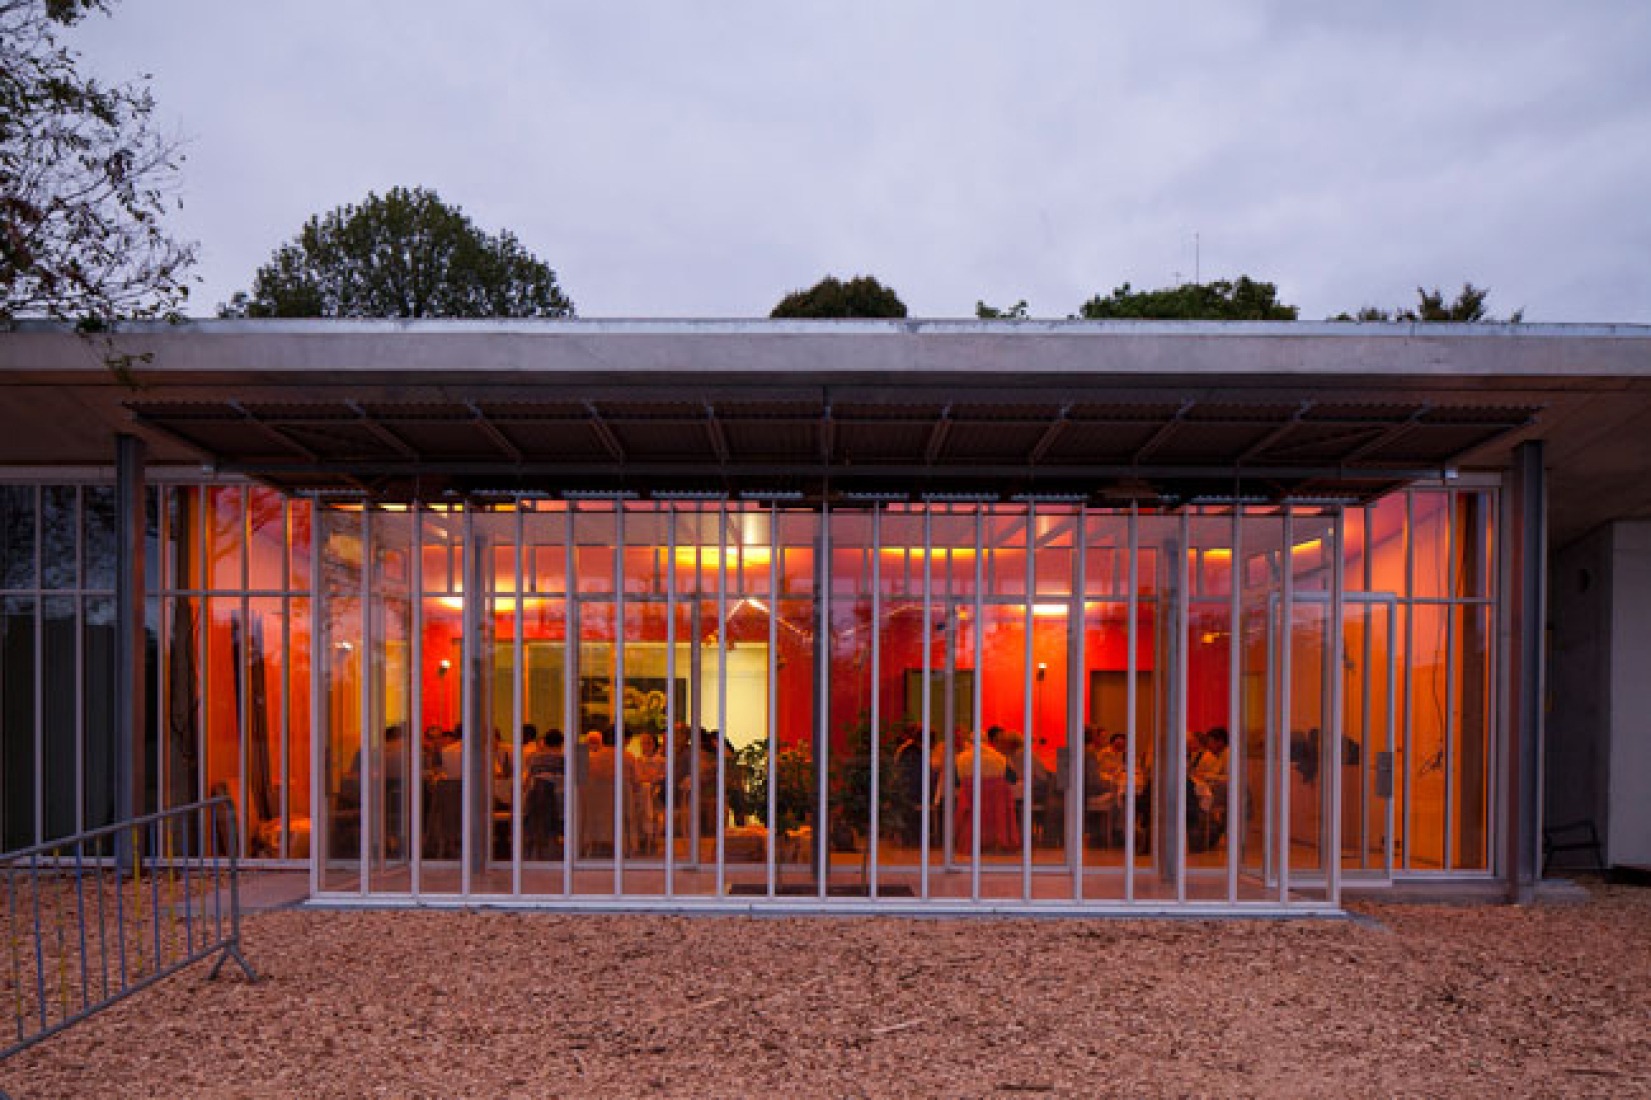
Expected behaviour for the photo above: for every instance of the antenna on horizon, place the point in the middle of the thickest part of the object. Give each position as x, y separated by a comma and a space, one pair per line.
1197, 268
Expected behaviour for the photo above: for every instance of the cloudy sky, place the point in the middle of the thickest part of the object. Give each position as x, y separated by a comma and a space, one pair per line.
676, 159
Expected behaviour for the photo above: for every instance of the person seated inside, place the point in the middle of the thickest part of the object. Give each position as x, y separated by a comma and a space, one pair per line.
1207, 783
596, 796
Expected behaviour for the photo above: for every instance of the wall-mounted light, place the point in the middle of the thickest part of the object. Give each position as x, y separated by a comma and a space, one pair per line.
443, 666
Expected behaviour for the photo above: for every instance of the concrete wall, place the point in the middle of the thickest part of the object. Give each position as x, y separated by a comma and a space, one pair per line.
1628, 832
1597, 763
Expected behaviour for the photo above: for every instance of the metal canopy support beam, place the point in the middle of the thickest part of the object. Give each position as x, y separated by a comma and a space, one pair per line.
1528, 546
1393, 433
1261, 445
1162, 435
491, 430
599, 425
714, 432
937, 436
1049, 436
129, 724
381, 432
274, 432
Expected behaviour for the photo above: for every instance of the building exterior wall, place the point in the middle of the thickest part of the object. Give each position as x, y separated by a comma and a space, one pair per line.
1628, 832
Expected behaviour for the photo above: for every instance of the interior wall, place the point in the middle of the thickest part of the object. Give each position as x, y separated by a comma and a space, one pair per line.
1577, 743
1628, 829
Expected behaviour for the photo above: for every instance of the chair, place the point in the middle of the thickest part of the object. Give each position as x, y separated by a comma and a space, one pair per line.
1572, 836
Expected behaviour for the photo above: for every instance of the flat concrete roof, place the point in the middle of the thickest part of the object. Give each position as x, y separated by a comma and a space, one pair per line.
1588, 386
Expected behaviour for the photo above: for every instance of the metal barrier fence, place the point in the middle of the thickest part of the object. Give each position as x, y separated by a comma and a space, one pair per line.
95, 917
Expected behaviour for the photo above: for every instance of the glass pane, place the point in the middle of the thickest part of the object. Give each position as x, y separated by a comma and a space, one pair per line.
1424, 812
60, 763
441, 704
265, 672
17, 715
225, 655
1470, 740
1385, 532
267, 547
342, 642
850, 759
225, 537
59, 522
1470, 533
298, 544
182, 690
98, 502
17, 532
1308, 793
98, 641
298, 730
389, 754
1430, 541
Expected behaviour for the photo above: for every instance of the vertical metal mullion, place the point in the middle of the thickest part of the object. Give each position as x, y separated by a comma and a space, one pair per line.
670, 702
876, 676
1333, 729
416, 700
1408, 664
518, 667
80, 658
570, 713
1235, 700
1131, 661
1182, 651
823, 644
1077, 680
618, 697
320, 650
203, 649
364, 665
1367, 763
284, 850
773, 689
1286, 715
1447, 846
39, 666
722, 697
1028, 715
243, 673
1393, 666
980, 643
472, 765
925, 769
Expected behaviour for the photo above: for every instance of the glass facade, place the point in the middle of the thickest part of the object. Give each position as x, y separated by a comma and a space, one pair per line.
949, 702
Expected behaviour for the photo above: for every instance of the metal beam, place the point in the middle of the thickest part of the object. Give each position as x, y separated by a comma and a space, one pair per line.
937, 435
1165, 430
1393, 433
1260, 446
1522, 860
713, 429
271, 431
604, 433
381, 432
491, 430
1050, 435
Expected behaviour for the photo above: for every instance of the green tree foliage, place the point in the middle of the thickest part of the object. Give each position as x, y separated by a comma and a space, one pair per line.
406, 254
1016, 312
862, 296
1244, 299
1467, 308
84, 182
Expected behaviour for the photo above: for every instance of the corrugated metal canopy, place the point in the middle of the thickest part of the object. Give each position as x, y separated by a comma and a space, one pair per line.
675, 441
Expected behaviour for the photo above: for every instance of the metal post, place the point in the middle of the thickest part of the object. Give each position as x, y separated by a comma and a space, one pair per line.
926, 771
1130, 662
874, 746
1523, 782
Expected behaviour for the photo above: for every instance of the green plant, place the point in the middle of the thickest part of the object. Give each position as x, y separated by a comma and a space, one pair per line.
795, 792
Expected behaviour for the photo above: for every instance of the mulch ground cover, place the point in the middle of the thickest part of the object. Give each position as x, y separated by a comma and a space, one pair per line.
1402, 1000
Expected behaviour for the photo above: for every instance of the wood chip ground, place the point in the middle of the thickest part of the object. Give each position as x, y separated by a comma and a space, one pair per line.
1552, 1000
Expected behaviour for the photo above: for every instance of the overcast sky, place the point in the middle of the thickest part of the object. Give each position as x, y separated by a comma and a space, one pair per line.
676, 159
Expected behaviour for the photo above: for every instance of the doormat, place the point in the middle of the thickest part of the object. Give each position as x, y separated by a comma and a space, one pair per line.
808, 890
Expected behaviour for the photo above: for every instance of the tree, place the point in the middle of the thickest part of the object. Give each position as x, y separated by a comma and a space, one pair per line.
1016, 312
861, 296
84, 182
1468, 308
407, 254
1243, 300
